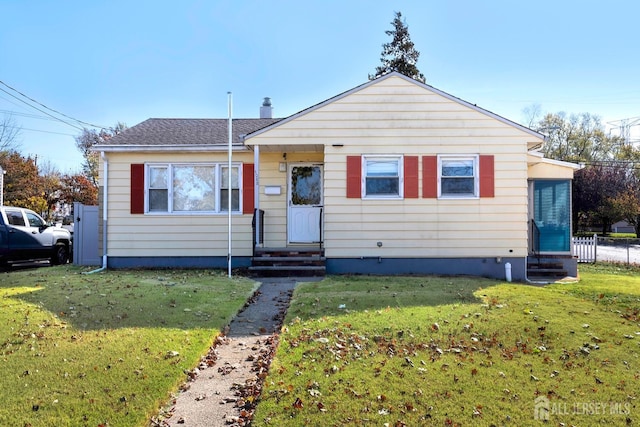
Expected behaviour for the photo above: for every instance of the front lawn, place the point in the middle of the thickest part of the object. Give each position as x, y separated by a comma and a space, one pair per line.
458, 351
107, 348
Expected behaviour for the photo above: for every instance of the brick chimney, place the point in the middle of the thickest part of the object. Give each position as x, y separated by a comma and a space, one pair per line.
266, 111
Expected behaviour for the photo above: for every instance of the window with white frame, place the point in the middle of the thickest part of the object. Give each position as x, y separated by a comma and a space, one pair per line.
458, 176
158, 190
382, 176
177, 188
233, 186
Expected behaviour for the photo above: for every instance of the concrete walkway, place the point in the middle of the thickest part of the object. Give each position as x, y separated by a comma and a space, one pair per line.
220, 391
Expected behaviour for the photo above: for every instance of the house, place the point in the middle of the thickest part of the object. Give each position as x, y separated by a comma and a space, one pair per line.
390, 177
623, 227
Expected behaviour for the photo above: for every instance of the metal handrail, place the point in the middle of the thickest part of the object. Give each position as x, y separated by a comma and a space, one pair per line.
257, 227
320, 228
535, 239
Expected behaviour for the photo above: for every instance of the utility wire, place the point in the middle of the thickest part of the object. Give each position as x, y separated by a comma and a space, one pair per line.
51, 109
42, 111
31, 116
47, 131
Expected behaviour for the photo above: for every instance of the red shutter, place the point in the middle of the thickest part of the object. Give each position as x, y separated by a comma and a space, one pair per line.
486, 176
354, 177
248, 189
411, 177
430, 177
137, 188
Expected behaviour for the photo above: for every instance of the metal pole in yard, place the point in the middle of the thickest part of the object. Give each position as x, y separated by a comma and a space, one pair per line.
628, 255
230, 148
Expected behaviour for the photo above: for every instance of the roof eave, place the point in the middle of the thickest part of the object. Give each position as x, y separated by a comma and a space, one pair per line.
541, 159
196, 148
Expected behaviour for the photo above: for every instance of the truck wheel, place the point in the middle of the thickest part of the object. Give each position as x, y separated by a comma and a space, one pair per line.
60, 254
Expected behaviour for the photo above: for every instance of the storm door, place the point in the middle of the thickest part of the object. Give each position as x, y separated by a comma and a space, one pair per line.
552, 214
305, 203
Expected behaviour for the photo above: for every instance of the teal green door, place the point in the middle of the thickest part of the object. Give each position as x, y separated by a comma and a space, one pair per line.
552, 214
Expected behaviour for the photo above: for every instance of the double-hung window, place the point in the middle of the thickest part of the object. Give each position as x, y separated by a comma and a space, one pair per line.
203, 188
158, 191
458, 176
226, 186
382, 176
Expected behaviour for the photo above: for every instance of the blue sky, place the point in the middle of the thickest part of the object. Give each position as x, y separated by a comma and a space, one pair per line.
107, 61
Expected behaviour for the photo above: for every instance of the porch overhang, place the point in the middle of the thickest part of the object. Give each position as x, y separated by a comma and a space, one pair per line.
539, 167
287, 148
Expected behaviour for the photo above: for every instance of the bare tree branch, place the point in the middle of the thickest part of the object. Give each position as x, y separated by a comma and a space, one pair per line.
9, 133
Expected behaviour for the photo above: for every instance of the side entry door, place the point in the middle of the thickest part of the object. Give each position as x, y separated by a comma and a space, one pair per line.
305, 203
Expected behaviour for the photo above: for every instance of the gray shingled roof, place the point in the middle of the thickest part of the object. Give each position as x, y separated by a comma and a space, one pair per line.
187, 132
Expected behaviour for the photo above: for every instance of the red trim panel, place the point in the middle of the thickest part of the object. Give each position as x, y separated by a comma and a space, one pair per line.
487, 186
411, 178
248, 189
430, 177
354, 177
137, 188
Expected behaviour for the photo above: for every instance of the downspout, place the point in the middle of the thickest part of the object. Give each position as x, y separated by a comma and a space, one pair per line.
105, 192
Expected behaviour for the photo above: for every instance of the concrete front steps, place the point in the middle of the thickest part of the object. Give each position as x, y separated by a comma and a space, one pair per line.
287, 262
545, 269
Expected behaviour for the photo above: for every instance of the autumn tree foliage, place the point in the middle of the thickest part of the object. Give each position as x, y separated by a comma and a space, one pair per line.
78, 188
86, 140
400, 53
39, 185
605, 189
22, 183
577, 138
595, 191
50, 186
627, 204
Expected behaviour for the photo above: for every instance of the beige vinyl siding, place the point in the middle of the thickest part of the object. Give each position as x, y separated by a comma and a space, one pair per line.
151, 235
275, 206
396, 116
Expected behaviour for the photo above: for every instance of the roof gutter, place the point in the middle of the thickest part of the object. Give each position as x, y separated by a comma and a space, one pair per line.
105, 192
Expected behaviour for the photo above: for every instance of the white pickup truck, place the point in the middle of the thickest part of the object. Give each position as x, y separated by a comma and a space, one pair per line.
25, 236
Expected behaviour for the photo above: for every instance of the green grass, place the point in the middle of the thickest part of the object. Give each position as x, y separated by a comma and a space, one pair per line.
623, 235
107, 348
458, 351
608, 235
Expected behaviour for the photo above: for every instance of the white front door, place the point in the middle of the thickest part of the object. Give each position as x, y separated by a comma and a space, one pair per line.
305, 203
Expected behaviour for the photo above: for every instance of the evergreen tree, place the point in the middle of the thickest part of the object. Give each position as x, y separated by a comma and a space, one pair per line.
400, 54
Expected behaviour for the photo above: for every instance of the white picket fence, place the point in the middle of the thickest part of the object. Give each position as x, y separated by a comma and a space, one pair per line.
586, 248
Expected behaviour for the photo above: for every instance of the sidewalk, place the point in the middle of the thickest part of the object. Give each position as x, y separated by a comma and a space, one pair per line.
219, 392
